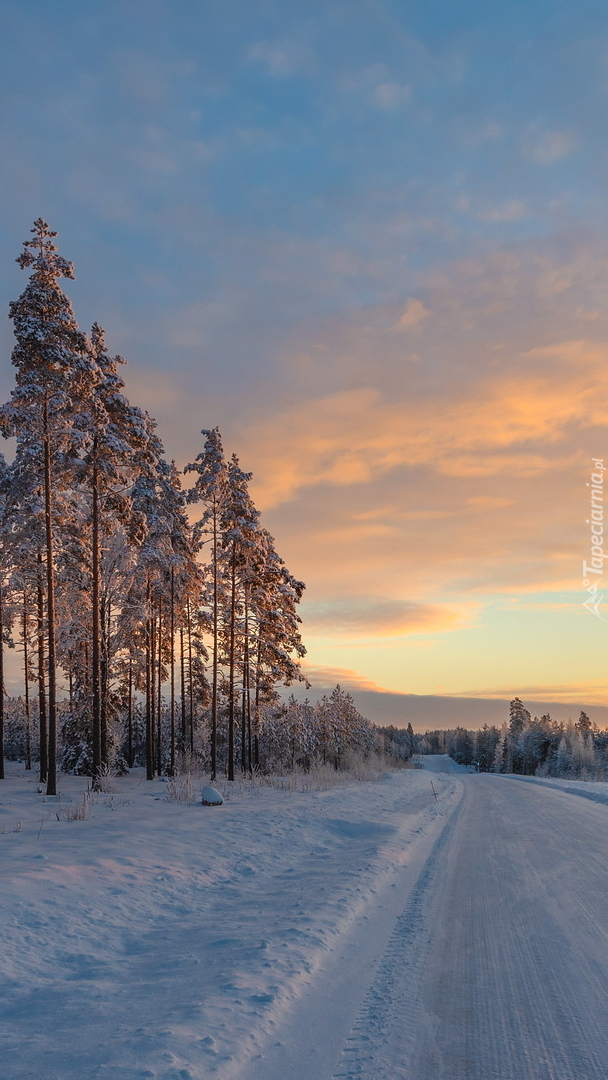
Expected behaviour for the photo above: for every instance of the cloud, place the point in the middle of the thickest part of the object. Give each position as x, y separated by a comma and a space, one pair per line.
376, 87
322, 677
552, 146
492, 427
509, 211
391, 95
413, 313
364, 617
473, 135
282, 59
488, 502
576, 694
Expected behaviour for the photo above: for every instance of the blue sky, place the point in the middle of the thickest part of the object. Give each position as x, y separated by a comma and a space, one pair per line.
369, 241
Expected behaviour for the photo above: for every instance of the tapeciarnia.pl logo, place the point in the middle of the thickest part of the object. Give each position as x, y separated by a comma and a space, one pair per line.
596, 521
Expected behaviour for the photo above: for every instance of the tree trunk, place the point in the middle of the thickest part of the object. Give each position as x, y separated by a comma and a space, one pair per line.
231, 667
244, 693
190, 680
42, 719
1, 681
104, 674
26, 689
247, 693
159, 697
51, 784
172, 672
182, 688
215, 666
149, 687
130, 718
98, 755
258, 669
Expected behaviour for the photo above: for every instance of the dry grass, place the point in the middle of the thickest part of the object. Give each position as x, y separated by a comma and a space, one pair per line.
322, 777
80, 812
179, 788
105, 780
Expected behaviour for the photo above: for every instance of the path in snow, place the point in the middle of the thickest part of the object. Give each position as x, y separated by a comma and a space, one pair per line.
497, 968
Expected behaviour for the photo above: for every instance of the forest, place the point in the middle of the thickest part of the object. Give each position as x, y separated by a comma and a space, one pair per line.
526, 745
154, 620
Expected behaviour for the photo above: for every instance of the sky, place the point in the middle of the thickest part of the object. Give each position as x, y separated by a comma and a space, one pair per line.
368, 240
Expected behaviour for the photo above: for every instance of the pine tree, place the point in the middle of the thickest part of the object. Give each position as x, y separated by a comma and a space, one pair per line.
275, 597
211, 489
583, 723
239, 520
118, 448
52, 361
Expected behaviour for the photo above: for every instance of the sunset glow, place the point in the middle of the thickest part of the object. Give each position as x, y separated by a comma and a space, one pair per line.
369, 242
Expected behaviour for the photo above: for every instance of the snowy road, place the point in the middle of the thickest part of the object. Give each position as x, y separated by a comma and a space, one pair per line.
497, 964
515, 982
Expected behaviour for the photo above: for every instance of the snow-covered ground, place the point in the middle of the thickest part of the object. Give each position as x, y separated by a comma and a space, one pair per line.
172, 941
368, 931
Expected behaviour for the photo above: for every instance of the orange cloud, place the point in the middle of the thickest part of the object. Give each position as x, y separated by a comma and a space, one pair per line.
365, 617
413, 313
319, 676
503, 425
587, 693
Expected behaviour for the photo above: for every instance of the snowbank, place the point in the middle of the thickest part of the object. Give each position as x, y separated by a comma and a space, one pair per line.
159, 940
596, 790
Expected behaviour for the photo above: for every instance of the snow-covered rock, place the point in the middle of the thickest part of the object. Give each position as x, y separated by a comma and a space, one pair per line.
211, 797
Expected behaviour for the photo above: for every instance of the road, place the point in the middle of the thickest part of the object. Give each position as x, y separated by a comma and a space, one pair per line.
516, 976
496, 967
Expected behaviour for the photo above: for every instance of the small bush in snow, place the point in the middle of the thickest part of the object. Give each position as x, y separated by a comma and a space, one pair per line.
105, 780
179, 788
76, 813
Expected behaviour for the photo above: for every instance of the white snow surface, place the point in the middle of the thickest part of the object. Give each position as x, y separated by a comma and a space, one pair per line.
367, 931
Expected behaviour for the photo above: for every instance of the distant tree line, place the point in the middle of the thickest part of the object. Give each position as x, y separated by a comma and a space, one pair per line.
528, 746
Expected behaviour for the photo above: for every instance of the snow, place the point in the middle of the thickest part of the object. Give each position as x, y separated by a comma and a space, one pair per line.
596, 790
210, 796
155, 939
366, 932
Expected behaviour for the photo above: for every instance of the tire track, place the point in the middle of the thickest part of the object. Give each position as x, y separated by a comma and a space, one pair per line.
518, 985
367, 1053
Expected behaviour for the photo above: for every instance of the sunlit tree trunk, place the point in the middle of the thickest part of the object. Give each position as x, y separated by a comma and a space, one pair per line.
159, 697
214, 675
42, 717
130, 717
26, 688
104, 654
172, 671
247, 690
190, 681
182, 690
1, 681
149, 686
51, 784
232, 665
245, 758
98, 754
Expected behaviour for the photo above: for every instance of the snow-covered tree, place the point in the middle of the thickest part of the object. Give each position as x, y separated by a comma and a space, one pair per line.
52, 362
211, 489
98, 562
